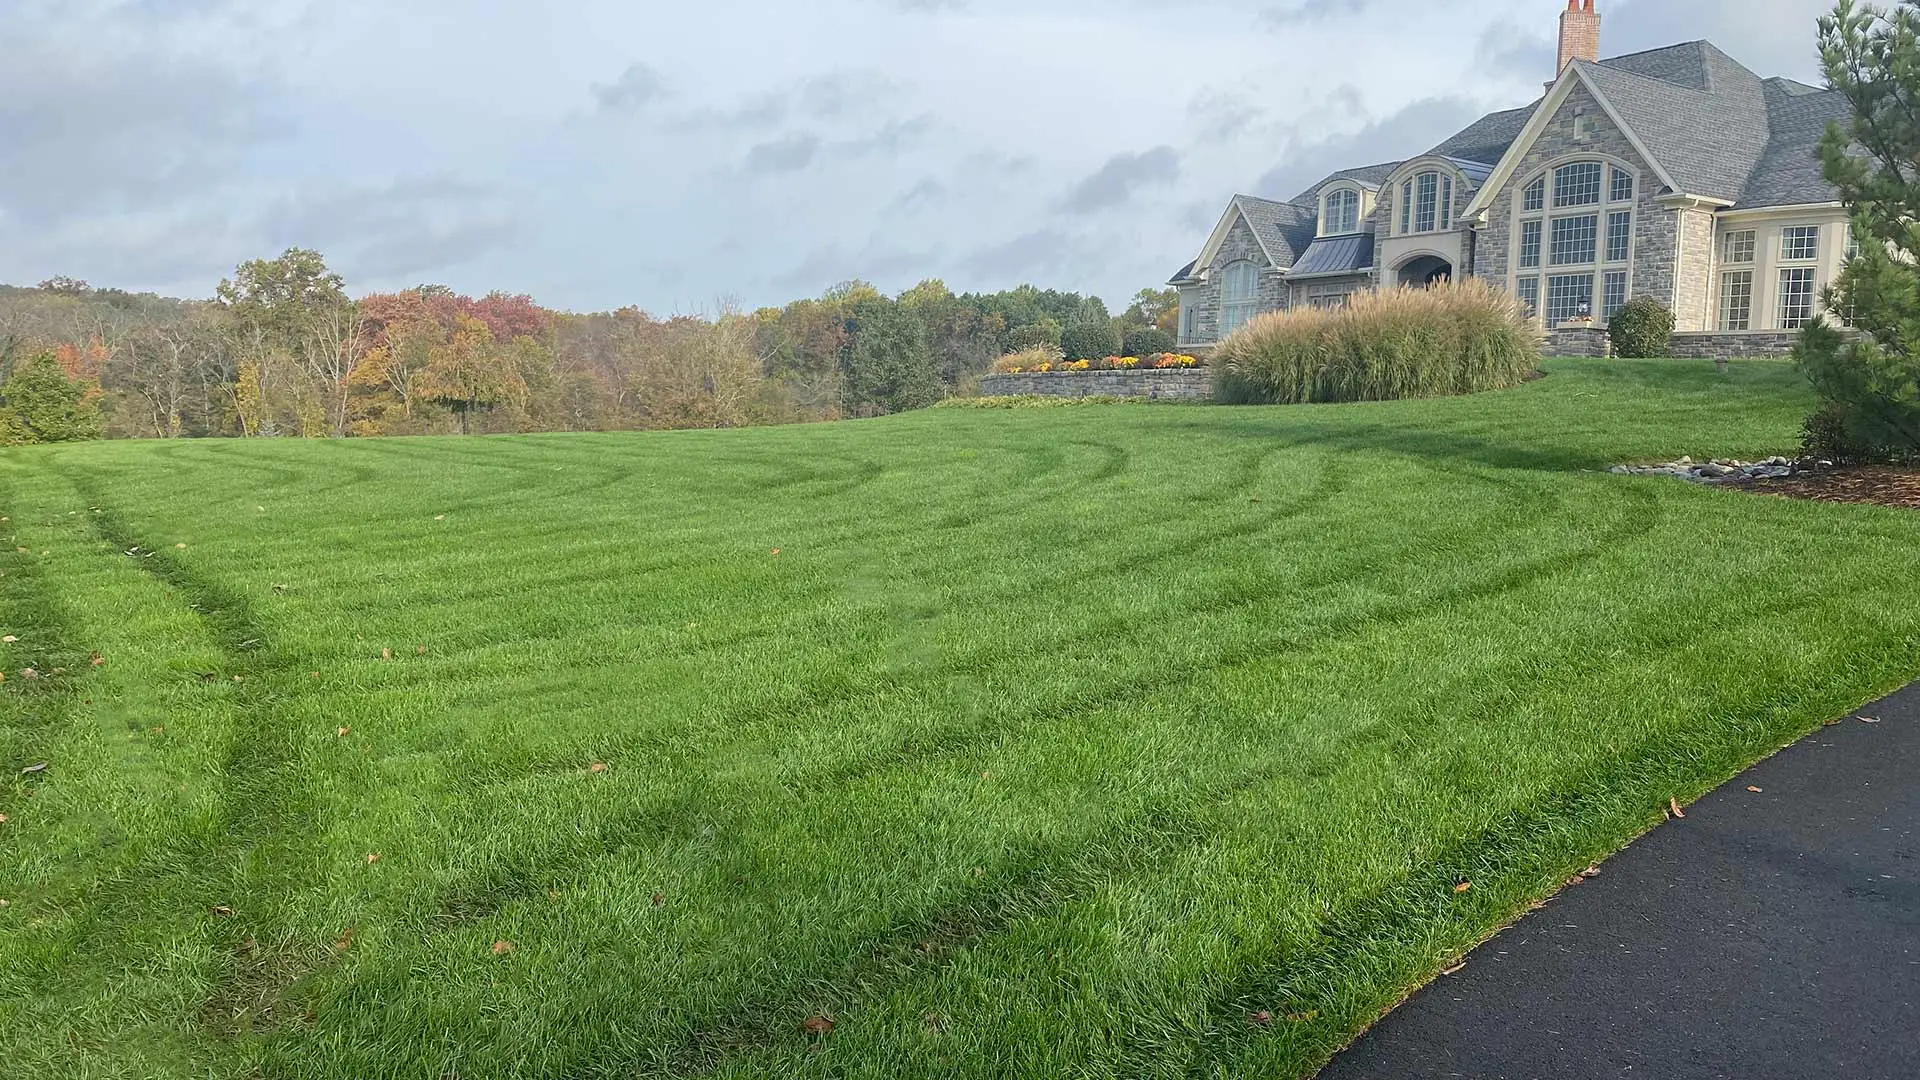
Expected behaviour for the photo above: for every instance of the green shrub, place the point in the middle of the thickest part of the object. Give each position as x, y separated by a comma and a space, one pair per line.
1452, 338
1643, 328
1148, 342
41, 404
1044, 334
1090, 340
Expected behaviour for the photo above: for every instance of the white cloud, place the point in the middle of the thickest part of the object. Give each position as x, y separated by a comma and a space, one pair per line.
600, 152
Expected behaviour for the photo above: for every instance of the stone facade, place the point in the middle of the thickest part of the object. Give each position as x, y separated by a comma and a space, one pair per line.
1187, 385
1580, 129
1696, 346
1240, 246
1578, 341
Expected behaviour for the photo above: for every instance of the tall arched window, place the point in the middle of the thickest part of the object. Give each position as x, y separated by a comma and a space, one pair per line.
1239, 297
1573, 240
1426, 203
1340, 212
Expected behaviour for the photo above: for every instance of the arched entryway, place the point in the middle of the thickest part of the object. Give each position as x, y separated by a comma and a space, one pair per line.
1425, 270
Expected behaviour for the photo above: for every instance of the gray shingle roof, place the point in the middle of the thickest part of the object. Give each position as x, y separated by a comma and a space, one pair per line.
1185, 274
1367, 175
1486, 140
1703, 117
1789, 173
1284, 229
1336, 255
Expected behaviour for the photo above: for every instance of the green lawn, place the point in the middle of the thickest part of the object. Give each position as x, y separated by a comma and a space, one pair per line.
1048, 743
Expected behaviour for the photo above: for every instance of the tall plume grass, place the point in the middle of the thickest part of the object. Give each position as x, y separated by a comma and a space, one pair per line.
1452, 338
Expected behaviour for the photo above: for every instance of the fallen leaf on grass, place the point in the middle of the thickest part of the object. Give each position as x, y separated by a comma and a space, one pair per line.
180, 547
659, 899
1455, 969
419, 650
1463, 887
223, 911
818, 1025
37, 767
97, 660
1260, 1019
4, 903
9, 639
344, 941
442, 517
342, 732
597, 767
386, 654
3, 819
373, 857
502, 948
29, 673
776, 551
1590, 872
1673, 804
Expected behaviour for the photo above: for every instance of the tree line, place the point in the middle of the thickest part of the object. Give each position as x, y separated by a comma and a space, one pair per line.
281, 349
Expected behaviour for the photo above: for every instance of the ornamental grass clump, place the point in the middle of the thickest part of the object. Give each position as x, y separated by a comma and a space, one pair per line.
1452, 338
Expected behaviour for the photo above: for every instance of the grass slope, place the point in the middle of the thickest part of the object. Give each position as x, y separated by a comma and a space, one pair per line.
1050, 742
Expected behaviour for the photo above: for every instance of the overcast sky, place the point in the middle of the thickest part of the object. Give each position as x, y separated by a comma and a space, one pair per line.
597, 153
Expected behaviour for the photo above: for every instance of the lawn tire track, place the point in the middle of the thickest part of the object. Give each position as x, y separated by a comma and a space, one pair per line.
265, 811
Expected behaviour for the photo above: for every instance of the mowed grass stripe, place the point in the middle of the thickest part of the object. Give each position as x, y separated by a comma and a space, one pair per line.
1040, 725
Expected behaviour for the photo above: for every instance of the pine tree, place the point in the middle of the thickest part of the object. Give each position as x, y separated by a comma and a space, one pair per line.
1870, 387
41, 404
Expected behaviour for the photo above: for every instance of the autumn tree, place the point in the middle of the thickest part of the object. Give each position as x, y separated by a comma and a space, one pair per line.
471, 373
293, 318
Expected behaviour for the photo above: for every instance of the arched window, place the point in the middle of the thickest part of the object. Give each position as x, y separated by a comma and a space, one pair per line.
1426, 203
1239, 297
1340, 212
1573, 240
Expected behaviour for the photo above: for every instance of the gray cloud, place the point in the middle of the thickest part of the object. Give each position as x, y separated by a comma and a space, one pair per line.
412, 226
1123, 174
636, 88
1410, 131
1301, 12
784, 155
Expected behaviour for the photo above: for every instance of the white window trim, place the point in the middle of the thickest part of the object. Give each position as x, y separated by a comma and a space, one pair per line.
1327, 225
1602, 211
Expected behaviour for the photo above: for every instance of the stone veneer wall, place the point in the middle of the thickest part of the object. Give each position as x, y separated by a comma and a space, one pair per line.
1689, 346
1188, 385
1240, 245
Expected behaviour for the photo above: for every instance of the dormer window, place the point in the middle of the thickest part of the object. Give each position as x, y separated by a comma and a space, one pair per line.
1340, 212
1426, 203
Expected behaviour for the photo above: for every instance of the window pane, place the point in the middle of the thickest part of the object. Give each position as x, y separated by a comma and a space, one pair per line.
1406, 207
1616, 293
1853, 246
1622, 186
1736, 300
1576, 185
1426, 211
1529, 294
1800, 242
1796, 298
1574, 239
1446, 203
1243, 280
1536, 196
1737, 247
1619, 236
1529, 244
1568, 295
1343, 212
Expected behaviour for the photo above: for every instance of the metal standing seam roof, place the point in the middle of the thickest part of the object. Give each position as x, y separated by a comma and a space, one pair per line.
1334, 255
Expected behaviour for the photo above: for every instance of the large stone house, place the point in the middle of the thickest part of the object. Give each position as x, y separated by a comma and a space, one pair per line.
1675, 174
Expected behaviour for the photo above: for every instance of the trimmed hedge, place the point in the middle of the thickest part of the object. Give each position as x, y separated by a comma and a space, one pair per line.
1642, 329
1459, 337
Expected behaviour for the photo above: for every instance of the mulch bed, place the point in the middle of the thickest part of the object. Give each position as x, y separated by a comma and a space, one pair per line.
1878, 485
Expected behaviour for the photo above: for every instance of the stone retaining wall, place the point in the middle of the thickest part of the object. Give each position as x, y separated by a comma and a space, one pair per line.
1194, 384
1569, 341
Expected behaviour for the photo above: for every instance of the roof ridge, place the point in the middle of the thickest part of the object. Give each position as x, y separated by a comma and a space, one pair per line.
1669, 83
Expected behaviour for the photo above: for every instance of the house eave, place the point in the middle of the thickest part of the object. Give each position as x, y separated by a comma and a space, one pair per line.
1742, 212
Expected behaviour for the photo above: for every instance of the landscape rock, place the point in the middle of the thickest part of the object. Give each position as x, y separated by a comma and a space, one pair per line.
1716, 471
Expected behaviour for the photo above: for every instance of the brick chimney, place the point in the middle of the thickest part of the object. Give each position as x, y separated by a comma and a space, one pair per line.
1579, 35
